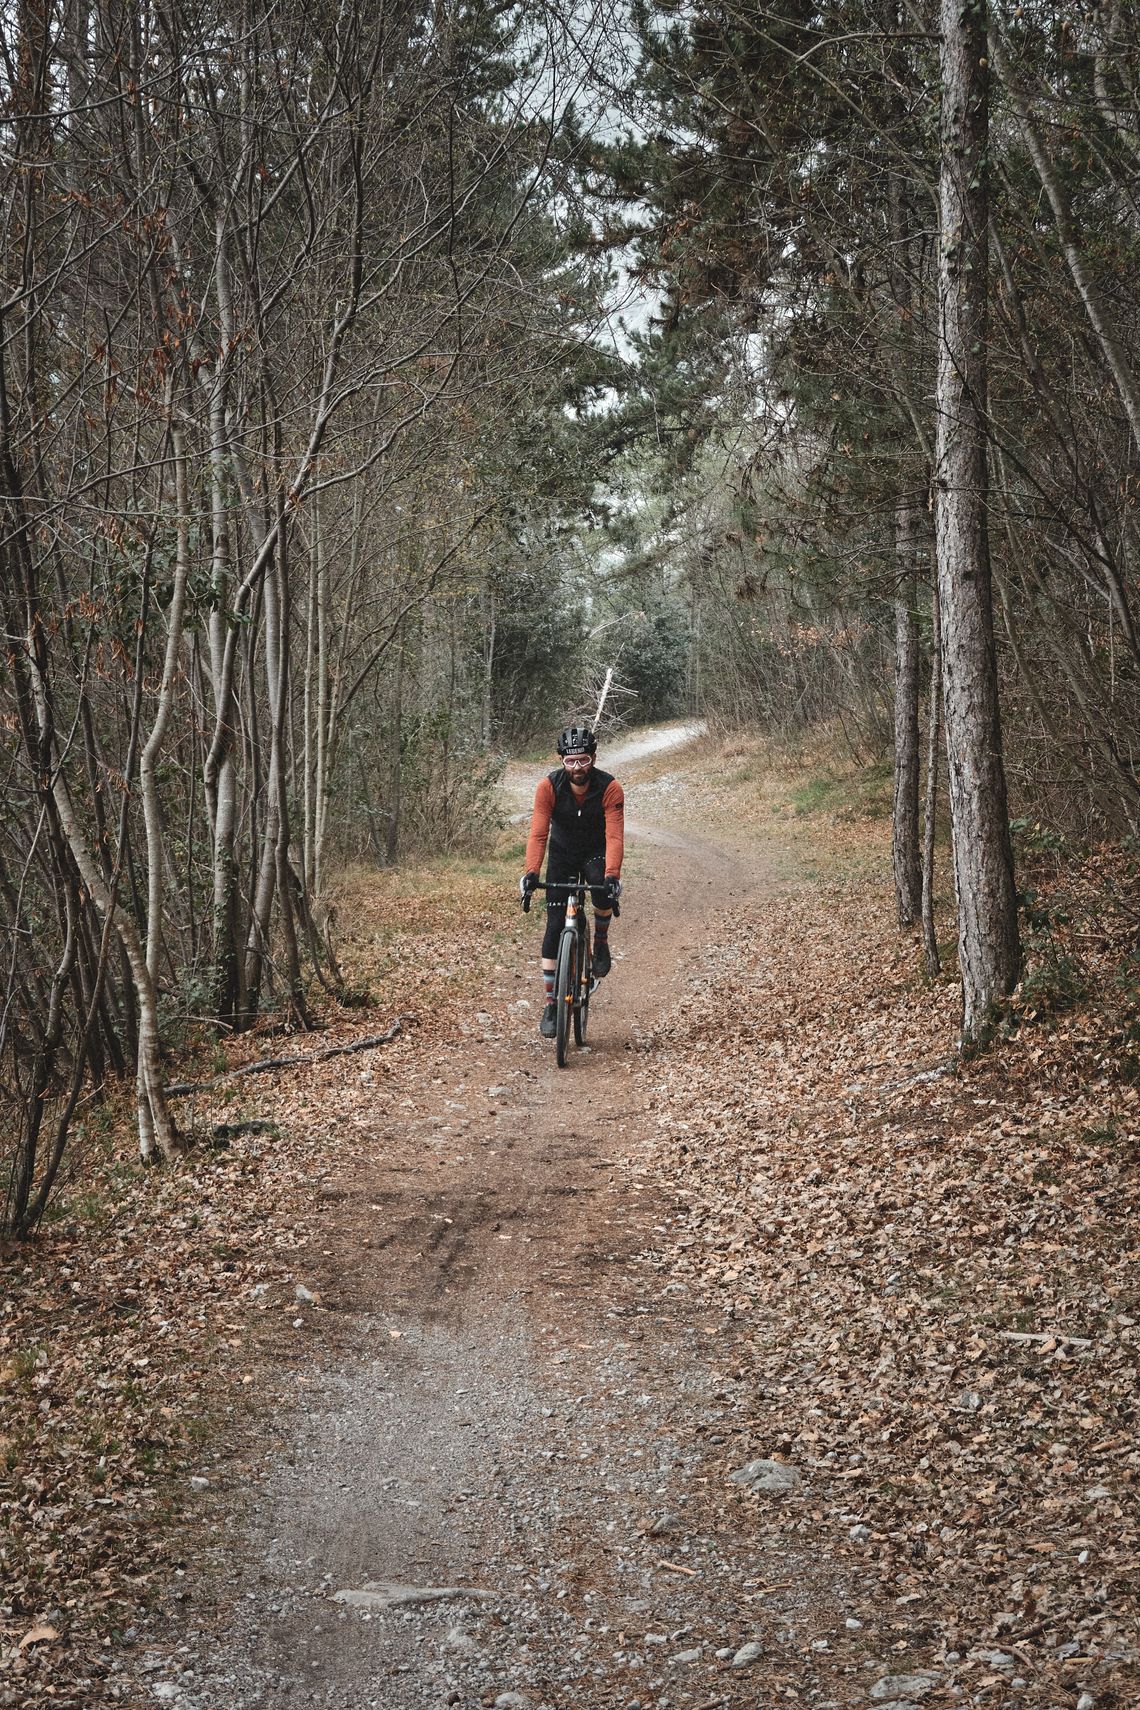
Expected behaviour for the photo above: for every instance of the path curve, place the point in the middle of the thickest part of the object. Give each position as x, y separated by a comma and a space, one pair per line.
661, 739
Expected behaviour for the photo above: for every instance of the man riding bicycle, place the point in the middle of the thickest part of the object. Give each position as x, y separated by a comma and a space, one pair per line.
581, 810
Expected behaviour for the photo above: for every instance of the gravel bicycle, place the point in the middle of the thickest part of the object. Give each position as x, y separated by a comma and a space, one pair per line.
573, 971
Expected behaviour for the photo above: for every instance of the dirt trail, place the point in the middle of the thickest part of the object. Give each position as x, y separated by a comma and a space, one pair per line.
505, 1479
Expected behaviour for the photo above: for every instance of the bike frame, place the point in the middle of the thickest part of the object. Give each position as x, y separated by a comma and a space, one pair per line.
574, 981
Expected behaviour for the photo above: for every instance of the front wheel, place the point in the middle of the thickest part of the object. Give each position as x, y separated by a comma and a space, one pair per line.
582, 1004
565, 992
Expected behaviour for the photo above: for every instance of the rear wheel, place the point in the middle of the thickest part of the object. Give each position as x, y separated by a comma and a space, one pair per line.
565, 979
582, 1007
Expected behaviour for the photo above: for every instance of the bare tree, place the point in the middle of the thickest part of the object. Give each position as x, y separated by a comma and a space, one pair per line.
988, 950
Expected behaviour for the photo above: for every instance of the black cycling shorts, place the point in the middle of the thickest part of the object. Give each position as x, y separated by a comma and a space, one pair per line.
563, 870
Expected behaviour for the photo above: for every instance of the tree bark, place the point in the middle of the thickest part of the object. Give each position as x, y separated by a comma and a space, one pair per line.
930, 807
156, 1125
219, 771
324, 780
988, 948
396, 781
152, 817
904, 836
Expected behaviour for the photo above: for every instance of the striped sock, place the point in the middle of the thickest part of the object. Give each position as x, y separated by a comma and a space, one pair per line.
602, 929
548, 985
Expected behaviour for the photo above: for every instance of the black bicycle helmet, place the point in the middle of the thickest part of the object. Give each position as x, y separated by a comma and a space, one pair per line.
578, 739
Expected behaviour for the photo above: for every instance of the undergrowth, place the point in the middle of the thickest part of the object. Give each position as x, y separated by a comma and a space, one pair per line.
1080, 931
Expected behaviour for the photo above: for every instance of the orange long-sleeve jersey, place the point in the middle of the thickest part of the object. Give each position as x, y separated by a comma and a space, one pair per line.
583, 817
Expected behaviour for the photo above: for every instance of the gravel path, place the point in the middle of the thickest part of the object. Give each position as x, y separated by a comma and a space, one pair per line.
501, 1472
650, 742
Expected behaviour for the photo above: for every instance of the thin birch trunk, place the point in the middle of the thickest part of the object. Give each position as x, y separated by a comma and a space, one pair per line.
333, 678
152, 816
257, 937
219, 773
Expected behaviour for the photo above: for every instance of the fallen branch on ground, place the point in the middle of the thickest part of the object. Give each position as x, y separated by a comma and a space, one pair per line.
184, 1089
1041, 1336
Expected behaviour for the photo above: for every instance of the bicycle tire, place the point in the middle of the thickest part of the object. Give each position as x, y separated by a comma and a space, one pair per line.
582, 1006
564, 994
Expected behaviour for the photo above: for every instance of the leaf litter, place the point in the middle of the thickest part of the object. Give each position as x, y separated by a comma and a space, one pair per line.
936, 1261
136, 1328
935, 1264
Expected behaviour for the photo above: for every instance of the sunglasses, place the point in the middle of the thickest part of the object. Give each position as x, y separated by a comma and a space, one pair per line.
577, 759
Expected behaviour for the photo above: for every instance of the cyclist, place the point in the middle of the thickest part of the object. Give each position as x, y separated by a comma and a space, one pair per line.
581, 810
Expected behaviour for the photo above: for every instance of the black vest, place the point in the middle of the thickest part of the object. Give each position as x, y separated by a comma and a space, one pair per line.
576, 832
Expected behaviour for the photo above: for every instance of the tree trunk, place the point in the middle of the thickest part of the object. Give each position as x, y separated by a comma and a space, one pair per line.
904, 837
308, 736
219, 773
396, 784
156, 1125
261, 908
930, 809
489, 668
285, 899
324, 780
155, 850
988, 949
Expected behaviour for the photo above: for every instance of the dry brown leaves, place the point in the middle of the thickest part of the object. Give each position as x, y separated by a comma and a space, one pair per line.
939, 1263
133, 1322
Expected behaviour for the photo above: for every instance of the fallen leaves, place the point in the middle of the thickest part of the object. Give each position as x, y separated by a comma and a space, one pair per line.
133, 1320
38, 1636
937, 1263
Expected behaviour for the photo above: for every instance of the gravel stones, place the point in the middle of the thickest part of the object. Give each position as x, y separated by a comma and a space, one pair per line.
776, 1478
461, 1642
896, 1688
380, 1595
749, 1653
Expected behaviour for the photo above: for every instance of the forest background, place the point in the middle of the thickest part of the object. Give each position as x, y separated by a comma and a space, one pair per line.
372, 376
